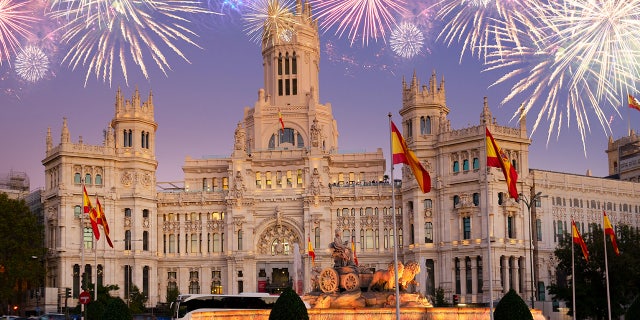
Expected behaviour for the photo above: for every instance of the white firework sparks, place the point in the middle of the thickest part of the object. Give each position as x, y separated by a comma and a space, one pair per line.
269, 19
406, 40
32, 64
104, 34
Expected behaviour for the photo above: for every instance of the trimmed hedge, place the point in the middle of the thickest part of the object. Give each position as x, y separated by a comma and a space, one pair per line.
512, 307
289, 306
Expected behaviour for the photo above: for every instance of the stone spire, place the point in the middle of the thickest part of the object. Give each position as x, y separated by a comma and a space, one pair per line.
49, 139
485, 116
64, 136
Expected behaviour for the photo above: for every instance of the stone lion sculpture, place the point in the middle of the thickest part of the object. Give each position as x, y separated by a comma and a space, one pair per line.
411, 269
385, 279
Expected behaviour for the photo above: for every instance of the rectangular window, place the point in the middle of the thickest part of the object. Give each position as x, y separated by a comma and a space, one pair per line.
428, 232
225, 183
287, 87
510, 227
88, 238
294, 85
299, 180
280, 89
289, 178
268, 177
259, 180
466, 225
539, 229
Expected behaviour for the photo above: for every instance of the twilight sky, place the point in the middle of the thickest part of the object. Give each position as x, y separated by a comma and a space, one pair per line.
198, 104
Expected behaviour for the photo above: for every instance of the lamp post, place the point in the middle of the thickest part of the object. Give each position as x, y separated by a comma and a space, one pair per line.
529, 203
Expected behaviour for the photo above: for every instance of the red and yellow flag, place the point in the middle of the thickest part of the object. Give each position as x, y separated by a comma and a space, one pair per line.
353, 249
497, 158
312, 253
401, 154
89, 209
103, 221
577, 239
608, 229
633, 103
280, 119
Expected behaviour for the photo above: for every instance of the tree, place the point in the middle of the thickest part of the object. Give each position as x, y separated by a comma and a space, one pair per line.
138, 300
590, 281
440, 300
289, 306
512, 307
116, 309
21, 249
172, 295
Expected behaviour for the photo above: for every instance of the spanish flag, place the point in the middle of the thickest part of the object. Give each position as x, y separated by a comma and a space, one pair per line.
577, 239
280, 119
608, 229
401, 154
633, 103
312, 253
103, 221
93, 214
497, 158
353, 249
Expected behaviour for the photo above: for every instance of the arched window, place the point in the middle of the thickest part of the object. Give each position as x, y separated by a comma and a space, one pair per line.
286, 136
369, 244
77, 178
100, 280
98, 180
465, 164
77, 211
456, 167
194, 282
127, 212
240, 239
272, 142
87, 178
316, 237
172, 243
145, 213
476, 199
476, 164
300, 141
456, 200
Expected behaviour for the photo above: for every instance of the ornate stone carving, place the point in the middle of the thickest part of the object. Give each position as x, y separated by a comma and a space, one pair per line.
278, 239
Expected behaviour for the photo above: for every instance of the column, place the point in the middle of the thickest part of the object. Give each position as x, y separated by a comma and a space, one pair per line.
474, 275
516, 275
505, 273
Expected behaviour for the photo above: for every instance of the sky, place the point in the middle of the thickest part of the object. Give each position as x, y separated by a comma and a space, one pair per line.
198, 103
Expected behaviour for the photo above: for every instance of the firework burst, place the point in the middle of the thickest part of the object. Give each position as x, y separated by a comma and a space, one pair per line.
369, 19
269, 19
406, 40
581, 62
103, 34
32, 64
483, 25
15, 22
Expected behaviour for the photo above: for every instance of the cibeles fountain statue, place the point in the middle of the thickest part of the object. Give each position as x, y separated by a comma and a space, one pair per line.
347, 285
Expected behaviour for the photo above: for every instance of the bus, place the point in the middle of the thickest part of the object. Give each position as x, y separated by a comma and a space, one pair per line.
186, 304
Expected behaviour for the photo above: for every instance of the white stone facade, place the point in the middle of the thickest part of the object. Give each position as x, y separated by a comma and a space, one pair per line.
233, 222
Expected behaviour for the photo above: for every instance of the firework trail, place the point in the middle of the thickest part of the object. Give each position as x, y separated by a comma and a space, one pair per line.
483, 25
32, 64
269, 19
103, 34
580, 61
369, 19
15, 23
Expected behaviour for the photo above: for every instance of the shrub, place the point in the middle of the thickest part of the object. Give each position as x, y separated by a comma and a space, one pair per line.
289, 306
512, 307
116, 309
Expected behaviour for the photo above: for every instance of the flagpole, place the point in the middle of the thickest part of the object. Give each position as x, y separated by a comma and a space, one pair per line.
606, 273
82, 269
573, 274
395, 229
488, 234
95, 287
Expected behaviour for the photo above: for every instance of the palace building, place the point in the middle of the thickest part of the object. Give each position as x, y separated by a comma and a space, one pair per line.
234, 223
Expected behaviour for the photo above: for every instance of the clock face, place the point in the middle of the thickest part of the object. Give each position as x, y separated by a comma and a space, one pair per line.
286, 35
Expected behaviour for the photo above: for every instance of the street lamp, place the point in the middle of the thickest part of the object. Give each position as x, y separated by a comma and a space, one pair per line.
529, 203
